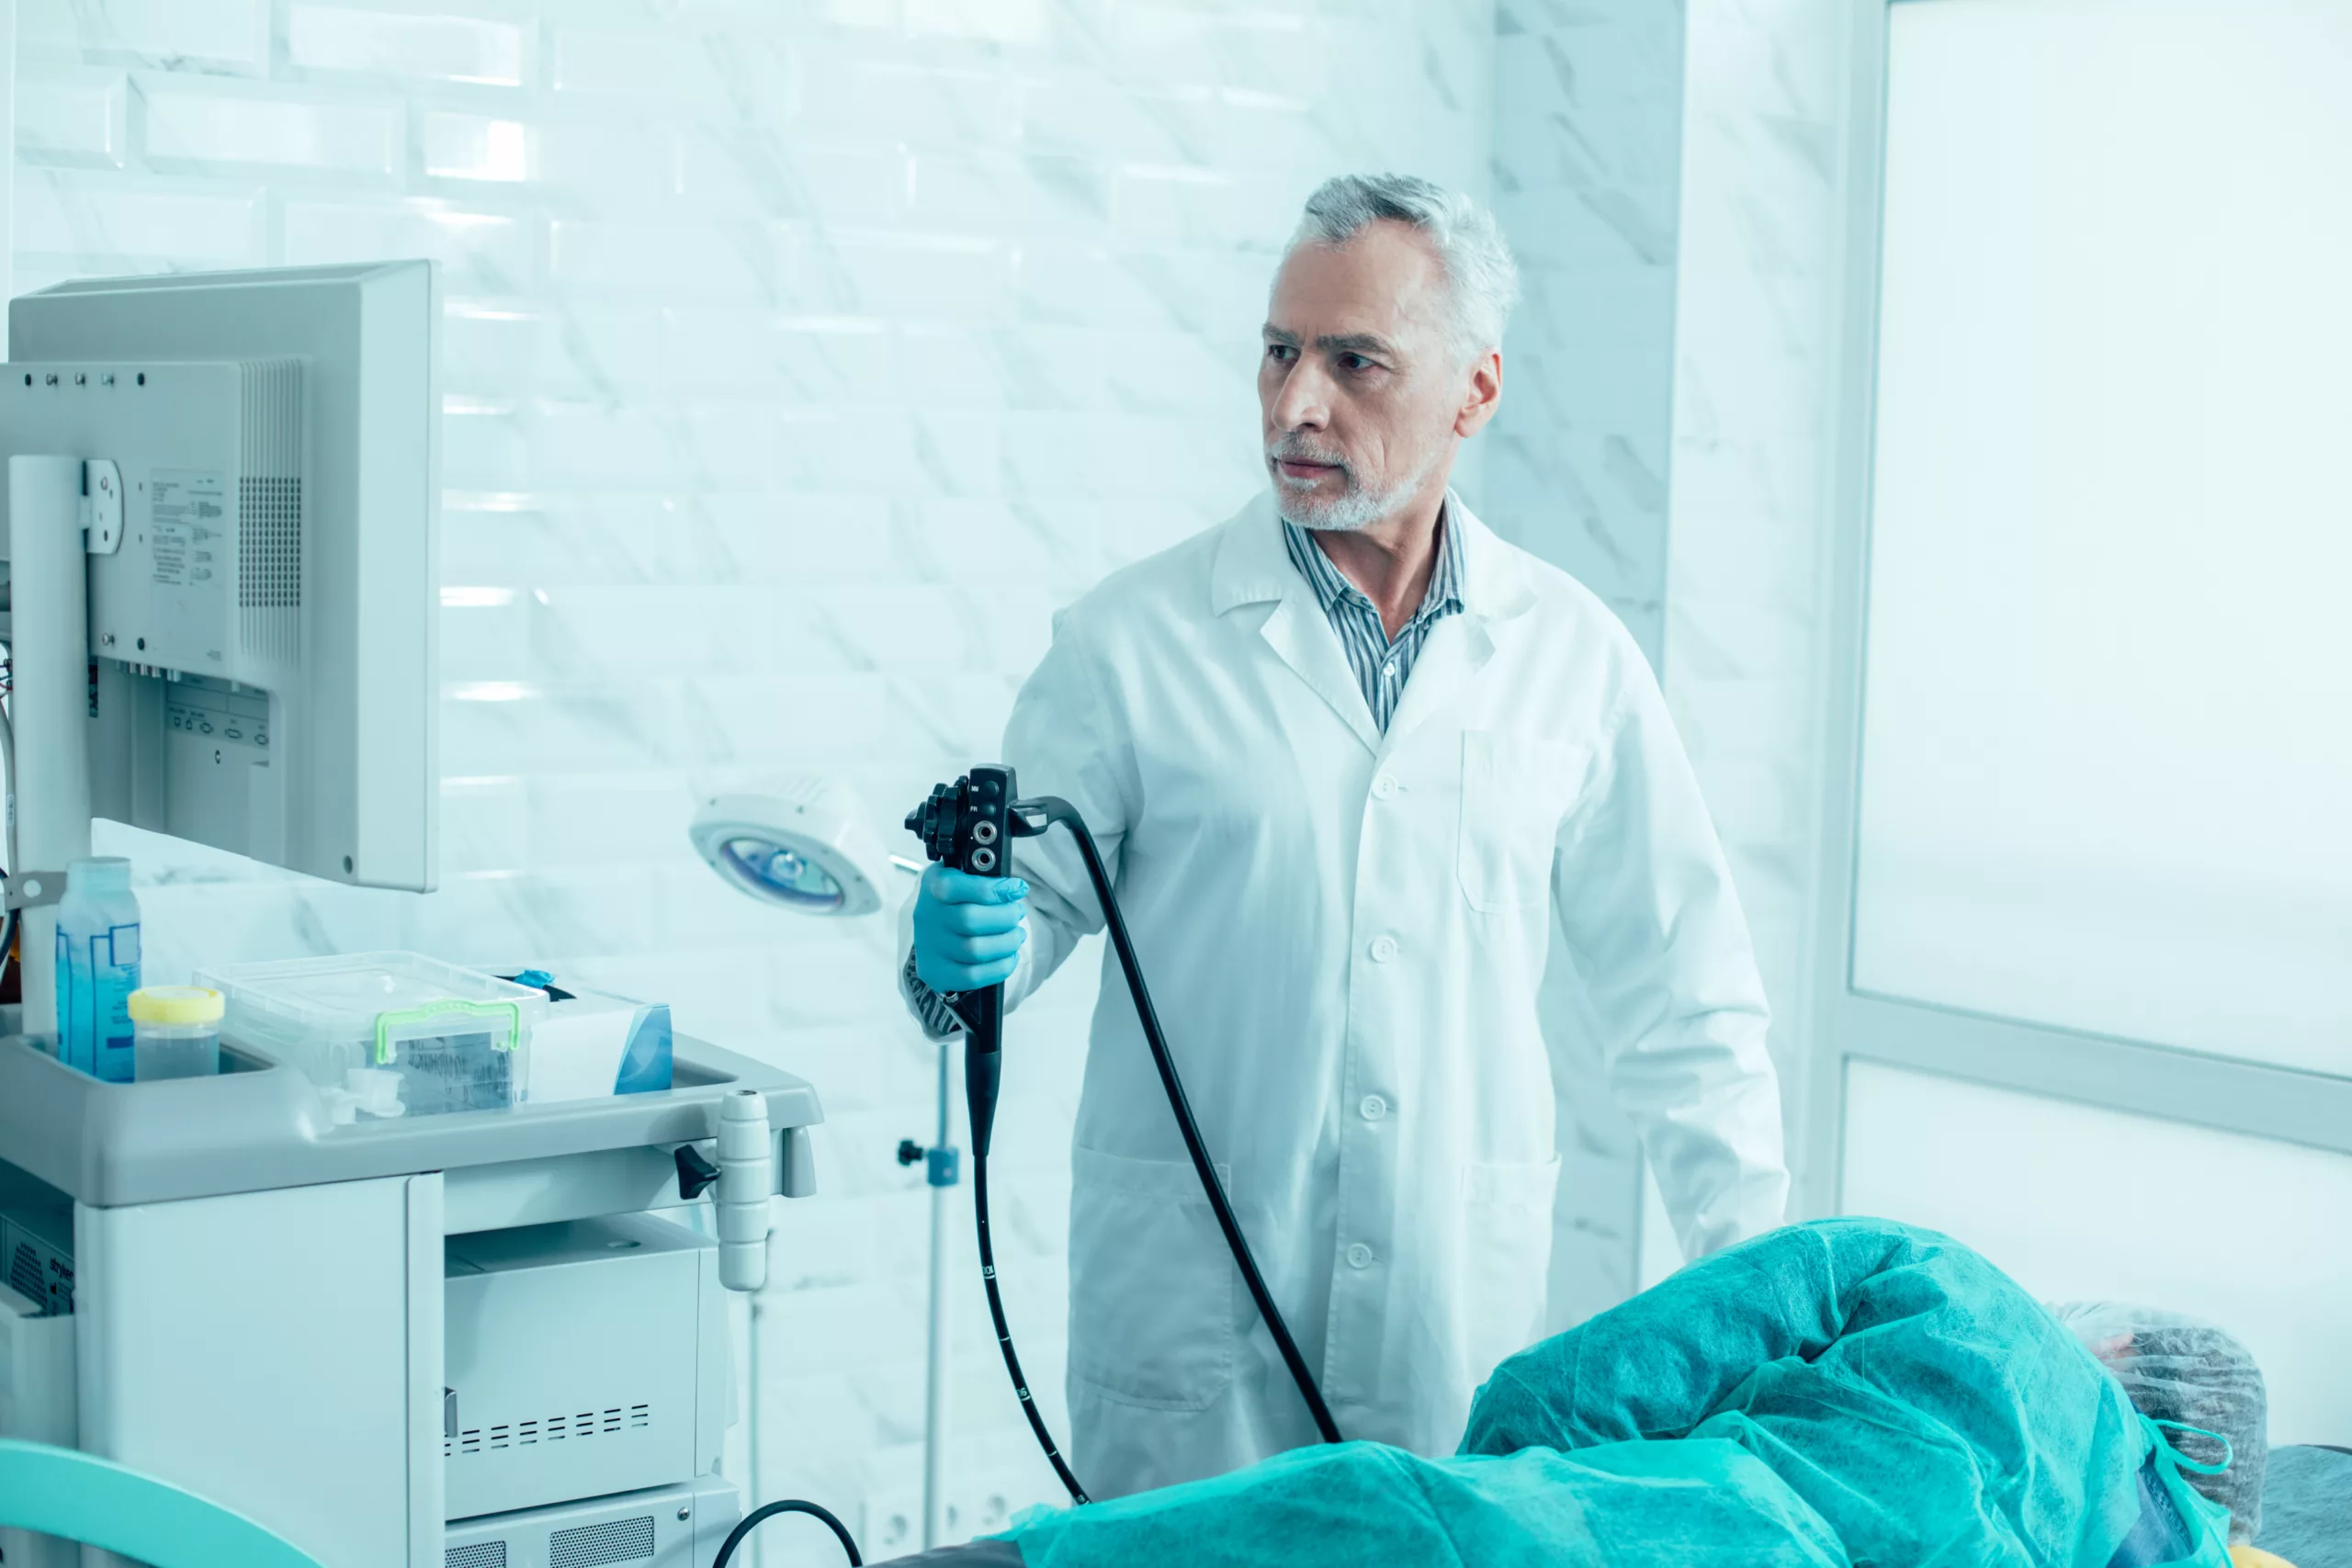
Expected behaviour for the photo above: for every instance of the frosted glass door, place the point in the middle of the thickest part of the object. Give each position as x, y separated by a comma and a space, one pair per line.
2082, 1204
2107, 744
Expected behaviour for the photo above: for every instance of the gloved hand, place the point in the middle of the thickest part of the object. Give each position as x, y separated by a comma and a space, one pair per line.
969, 930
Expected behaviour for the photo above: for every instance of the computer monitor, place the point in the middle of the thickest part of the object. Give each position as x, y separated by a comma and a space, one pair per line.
262, 635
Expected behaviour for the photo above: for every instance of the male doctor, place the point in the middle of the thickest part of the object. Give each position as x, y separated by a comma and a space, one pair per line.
1351, 757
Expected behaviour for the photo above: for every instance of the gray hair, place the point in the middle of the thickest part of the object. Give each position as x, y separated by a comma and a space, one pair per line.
1469, 243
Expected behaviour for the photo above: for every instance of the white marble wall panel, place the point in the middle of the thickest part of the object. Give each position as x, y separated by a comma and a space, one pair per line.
800, 359
1588, 132
1587, 128
1667, 172
1747, 623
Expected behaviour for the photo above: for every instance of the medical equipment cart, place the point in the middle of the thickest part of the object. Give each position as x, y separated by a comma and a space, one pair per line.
451, 1341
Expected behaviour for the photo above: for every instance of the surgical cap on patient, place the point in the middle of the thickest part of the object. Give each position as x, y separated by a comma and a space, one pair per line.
2180, 1369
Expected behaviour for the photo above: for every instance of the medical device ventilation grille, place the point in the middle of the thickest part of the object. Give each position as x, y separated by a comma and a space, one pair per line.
553, 1430
269, 509
594, 1546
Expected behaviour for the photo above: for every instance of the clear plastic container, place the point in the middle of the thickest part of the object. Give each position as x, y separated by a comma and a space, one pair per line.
178, 1029
459, 1039
97, 967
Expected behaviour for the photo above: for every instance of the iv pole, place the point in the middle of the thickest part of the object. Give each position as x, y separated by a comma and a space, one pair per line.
943, 1168
934, 1381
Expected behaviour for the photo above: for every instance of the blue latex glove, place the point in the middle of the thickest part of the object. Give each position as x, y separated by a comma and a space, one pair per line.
969, 930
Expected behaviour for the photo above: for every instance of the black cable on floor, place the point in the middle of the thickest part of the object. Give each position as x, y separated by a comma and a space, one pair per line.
1004, 1333
789, 1506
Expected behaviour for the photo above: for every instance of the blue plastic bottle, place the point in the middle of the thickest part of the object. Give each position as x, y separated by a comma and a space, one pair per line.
97, 968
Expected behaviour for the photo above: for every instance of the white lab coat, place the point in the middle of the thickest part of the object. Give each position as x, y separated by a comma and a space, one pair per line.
1344, 932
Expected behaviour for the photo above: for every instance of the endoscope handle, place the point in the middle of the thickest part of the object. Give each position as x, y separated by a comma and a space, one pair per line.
983, 1016
970, 825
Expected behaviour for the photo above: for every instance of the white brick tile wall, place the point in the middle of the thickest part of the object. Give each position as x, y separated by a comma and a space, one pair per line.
672, 66
77, 118
1001, 21
909, 277
889, 101
487, 252
860, 13
482, 147
456, 49
197, 129
70, 223
210, 35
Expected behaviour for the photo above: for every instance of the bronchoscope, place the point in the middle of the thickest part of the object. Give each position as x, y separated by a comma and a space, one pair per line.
970, 825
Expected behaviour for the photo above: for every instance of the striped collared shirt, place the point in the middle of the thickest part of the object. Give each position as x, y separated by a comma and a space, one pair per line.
1382, 666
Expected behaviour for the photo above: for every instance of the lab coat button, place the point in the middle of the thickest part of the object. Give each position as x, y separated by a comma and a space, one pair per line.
1359, 1257
1374, 1107
1383, 948
1385, 788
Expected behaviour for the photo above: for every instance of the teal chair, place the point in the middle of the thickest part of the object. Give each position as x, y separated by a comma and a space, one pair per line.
80, 1497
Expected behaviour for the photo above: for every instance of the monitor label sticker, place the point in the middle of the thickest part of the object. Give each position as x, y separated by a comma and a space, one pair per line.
186, 530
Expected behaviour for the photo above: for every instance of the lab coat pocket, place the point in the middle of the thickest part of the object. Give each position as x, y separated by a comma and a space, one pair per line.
1516, 790
1507, 1260
1151, 1286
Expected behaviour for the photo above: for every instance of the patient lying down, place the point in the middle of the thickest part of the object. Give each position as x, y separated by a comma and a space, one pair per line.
1842, 1392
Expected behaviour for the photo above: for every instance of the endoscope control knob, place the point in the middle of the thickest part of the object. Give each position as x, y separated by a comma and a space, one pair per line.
936, 820
967, 824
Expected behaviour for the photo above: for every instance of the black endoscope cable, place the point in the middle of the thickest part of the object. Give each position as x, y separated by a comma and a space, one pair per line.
759, 1517
1061, 811
1004, 1333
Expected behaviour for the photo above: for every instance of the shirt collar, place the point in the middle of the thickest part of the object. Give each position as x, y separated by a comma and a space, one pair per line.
1331, 587
1248, 563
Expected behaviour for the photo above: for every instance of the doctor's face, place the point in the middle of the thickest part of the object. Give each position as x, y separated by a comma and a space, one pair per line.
1364, 393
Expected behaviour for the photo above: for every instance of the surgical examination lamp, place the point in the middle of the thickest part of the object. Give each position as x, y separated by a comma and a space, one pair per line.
799, 845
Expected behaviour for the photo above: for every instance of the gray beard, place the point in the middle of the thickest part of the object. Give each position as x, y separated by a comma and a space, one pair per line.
1351, 513
1355, 510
